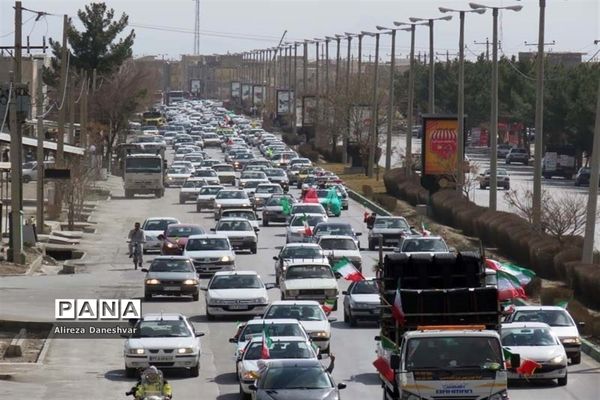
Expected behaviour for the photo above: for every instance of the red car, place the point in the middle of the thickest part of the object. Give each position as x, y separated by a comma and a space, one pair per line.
176, 236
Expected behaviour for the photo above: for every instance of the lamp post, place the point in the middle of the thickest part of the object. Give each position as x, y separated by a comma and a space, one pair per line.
347, 100
493, 205
460, 156
390, 116
374, 107
360, 37
295, 79
430, 21
411, 95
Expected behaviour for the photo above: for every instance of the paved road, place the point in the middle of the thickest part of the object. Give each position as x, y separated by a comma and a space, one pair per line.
79, 368
521, 178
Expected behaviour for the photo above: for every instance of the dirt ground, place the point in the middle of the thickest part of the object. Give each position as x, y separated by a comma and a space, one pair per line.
32, 346
7, 268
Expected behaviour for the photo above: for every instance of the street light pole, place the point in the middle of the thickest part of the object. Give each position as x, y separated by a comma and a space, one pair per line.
293, 103
591, 214
390, 111
347, 101
358, 76
374, 107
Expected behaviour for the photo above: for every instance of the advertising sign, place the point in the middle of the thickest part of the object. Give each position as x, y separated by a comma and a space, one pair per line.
195, 86
236, 90
285, 99
258, 95
309, 110
246, 92
439, 144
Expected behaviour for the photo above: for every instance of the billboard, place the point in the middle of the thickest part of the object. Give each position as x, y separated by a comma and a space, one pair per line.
258, 95
285, 99
236, 90
309, 110
246, 92
195, 86
439, 144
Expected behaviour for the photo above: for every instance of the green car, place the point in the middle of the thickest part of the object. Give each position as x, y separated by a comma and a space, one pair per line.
331, 201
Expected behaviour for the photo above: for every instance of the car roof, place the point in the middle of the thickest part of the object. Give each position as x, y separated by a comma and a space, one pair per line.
317, 261
328, 223
237, 272
185, 225
161, 218
295, 303
255, 339
295, 363
538, 308
525, 325
260, 321
325, 237
163, 316
160, 258
299, 244
234, 218
229, 210
208, 236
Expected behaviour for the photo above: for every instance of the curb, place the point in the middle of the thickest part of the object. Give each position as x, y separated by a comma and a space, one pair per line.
590, 349
367, 202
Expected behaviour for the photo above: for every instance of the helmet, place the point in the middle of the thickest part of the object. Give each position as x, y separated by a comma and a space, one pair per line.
152, 374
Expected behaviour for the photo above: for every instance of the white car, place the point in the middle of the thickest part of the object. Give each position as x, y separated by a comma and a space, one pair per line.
230, 198
226, 173
309, 281
153, 227
295, 253
252, 175
245, 213
422, 245
176, 176
535, 341
273, 327
210, 253
240, 233
264, 191
211, 140
337, 247
167, 340
190, 189
301, 226
206, 196
208, 174
236, 293
311, 316
250, 185
308, 208
362, 302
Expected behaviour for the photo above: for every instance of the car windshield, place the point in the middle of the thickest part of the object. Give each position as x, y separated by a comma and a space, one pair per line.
307, 312
326, 229
279, 349
311, 220
269, 189
275, 172
501, 172
307, 208
301, 252
424, 245
309, 272
432, 353
244, 156
171, 266
295, 378
206, 173
391, 223
235, 282
232, 194
276, 201
527, 337
183, 231
177, 170
234, 226
223, 168
365, 287
158, 224
193, 184
248, 214
551, 317
338, 244
210, 190
253, 184
273, 330
323, 193
253, 175
161, 328
208, 244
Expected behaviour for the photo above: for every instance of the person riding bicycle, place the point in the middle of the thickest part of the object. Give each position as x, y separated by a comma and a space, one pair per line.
151, 382
136, 236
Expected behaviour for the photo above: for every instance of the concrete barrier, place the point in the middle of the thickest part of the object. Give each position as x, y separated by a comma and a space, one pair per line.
15, 348
359, 198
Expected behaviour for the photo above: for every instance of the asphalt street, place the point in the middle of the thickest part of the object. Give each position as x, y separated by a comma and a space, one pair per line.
83, 368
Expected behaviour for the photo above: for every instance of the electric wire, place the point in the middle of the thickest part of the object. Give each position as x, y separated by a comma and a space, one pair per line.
62, 102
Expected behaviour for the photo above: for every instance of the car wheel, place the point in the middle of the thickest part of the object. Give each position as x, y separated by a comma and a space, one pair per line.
562, 381
196, 296
576, 359
130, 372
26, 179
209, 316
244, 395
352, 320
327, 349
181, 201
345, 208
265, 222
195, 370
198, 209
253, 249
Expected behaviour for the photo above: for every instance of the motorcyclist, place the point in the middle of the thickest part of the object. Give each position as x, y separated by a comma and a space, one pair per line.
151, 382
136, 235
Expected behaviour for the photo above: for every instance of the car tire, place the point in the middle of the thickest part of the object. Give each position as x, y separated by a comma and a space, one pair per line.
327, 350
563, 381
253, 249
209, 316
345, 208
26, 179
195, 370
352, 320
198, 209
576, 359
130, 372
181, 201
244, 395
196, 296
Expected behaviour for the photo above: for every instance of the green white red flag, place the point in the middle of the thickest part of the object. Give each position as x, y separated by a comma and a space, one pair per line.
328, 306
347, 270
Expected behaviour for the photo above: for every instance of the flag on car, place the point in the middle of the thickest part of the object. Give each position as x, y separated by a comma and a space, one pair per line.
266, 345
284, 202
528, 367
397, 311
328, 306
424, 230
388, 344
507, 356
523, 275
563, 304
307, 229
383, 367
347, 270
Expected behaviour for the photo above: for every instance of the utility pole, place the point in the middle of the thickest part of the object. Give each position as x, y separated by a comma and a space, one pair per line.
358, 75
390, 111
293, 100
83, 111
197, 29
348, 105
318, 95
304, 67
431, 71
71, 89
326, 67
39, 215
374, 117
487, 47
494, 118
64, 61
411, 101
592, 204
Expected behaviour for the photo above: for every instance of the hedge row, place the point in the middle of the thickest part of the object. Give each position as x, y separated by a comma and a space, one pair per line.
512, 235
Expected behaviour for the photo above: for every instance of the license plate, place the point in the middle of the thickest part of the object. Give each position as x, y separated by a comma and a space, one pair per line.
161, 358
171, 288
238, 307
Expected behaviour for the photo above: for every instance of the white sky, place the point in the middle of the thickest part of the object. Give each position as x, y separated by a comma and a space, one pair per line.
257, 24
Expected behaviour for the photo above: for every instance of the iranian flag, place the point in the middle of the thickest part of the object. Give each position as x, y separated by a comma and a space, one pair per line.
424, 230
383, 367
328, 306
397, 311
346, 269
528, 367
307, 229
267, 343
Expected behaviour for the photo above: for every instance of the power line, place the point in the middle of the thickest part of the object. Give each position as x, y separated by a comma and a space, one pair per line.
11, 32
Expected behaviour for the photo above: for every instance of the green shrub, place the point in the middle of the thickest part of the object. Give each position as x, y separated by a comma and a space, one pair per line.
551, 296
581, 314
586, 281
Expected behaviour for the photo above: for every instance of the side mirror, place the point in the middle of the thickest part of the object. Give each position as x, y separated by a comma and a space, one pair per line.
515, 361
341, 386
581, 325
358, 233
199, 334
232, 340
161, 237
377, 338
345, 292
256, 229
252, 387
275, 258
213, 229
144, 270
395, 361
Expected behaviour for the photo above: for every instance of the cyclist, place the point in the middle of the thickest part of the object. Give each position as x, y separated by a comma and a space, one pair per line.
136, 237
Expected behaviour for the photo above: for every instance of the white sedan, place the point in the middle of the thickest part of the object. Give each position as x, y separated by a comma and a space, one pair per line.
153, 227
535, 341
236, 293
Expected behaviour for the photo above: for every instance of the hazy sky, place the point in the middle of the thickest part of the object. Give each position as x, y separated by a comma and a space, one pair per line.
238, 25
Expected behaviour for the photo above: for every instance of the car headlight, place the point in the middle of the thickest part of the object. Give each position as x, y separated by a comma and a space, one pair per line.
320, 334
226, 259
152, 282
216, 302
293, 292
558, 359
190, 282
571, 340
331, 292
498, 396
261, 300
249, 375
137, 351
185, 350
